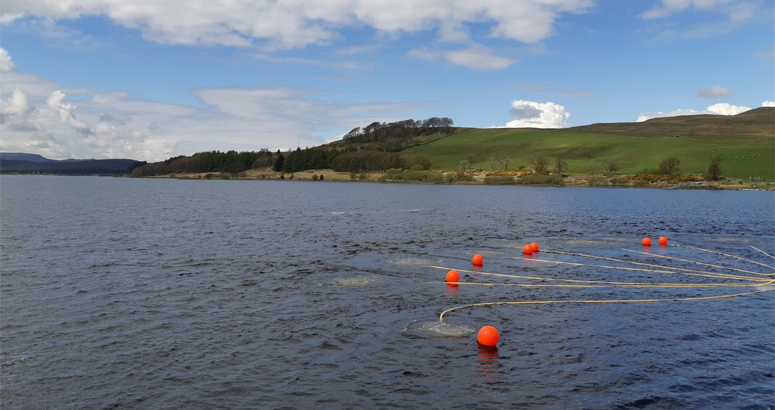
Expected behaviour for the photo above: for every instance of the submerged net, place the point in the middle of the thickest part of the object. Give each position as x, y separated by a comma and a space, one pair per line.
437, 329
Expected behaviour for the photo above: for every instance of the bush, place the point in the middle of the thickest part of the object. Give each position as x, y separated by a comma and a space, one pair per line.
669, 166
409, 175
713, 173
620, 181
209, 175
499, 180
536, 179
419, 162
314, 177
597, 181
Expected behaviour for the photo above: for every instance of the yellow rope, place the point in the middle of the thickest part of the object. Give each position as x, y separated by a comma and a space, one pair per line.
728, 255
773, 257
614, 285
707, 275
683, 271
601, 282
596, 266
547, 302
701, 263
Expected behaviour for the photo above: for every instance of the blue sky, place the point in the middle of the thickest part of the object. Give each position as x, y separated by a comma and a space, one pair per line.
150, 80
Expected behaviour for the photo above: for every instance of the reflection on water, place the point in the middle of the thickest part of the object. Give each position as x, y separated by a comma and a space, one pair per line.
126, 293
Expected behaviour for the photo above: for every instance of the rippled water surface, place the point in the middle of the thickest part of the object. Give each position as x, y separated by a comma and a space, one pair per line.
150, 294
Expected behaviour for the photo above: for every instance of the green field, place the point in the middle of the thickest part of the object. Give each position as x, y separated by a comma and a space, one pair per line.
746, 143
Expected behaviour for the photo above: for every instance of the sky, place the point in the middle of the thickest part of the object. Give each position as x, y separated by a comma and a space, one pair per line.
149, 79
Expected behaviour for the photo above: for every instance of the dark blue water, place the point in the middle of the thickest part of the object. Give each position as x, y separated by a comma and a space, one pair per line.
156, 294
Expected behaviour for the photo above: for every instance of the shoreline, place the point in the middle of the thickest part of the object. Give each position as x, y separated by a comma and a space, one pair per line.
479, 178
693, 182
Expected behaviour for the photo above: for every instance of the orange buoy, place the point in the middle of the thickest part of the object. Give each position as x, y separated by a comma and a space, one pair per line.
663, 240
646, 242
527, 250
453, 276
534, 247
477, 260
488, 336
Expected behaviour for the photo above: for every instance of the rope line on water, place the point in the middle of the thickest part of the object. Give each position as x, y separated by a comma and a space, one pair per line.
683, 271
726, 254
613, 285
596, 266
773, 257
708, 275
503, 275
547, 302
583, 281
700, 263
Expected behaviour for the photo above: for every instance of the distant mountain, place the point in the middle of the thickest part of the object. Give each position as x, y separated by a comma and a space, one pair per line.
19, 156
20, 163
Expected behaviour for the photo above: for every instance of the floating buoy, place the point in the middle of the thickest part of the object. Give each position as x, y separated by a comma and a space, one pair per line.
646, 242
527, 250
488, 336
534, 247
453, 276
663, 240
477, 260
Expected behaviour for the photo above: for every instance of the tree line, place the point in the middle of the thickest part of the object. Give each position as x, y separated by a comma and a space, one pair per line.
232, 162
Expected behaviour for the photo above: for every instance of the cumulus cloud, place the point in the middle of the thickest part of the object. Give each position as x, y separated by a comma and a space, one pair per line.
727, 109
768, 104
717, 109
16, 105
532, 114
716, 91
296, 23
477, 57
6, 63
66, 111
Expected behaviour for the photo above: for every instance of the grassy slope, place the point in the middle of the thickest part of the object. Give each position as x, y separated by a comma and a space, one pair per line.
746, 143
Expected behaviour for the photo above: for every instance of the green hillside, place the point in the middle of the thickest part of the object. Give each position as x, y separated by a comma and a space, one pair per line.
746, 142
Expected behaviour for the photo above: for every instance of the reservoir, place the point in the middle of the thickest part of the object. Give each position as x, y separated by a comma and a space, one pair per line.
160, 294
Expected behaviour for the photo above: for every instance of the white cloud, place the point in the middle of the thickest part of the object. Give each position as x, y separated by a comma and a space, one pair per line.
66, 111
727, 109
737, 12
296, 23
6, 63
532, 114
716, 91
717, 109
17, 104
768, 104
670, 7
348, 65
477, 57
355, 50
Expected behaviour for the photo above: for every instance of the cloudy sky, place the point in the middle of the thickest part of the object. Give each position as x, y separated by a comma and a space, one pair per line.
149, 79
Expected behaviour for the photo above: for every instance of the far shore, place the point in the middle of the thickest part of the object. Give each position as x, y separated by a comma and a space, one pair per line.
481, 178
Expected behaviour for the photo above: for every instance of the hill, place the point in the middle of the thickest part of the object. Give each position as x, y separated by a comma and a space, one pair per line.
18, 163
746, 143
19, 156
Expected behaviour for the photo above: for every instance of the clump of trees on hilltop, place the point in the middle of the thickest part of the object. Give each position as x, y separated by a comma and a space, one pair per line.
394, 136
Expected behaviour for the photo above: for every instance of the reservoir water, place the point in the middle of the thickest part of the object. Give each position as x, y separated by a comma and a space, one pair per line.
170, 294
